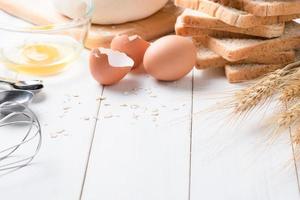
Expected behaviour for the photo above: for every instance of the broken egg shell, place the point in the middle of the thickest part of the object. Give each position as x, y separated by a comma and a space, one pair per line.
138, 70
134, 46
109, 67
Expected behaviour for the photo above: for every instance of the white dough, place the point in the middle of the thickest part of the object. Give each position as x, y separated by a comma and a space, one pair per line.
111, 11
71, 8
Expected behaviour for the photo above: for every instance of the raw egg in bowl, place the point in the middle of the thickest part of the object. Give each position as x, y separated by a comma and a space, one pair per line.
42, 46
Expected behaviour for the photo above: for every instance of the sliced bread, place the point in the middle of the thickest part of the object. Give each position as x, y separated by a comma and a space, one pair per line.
208, 59
244, 72
239, 49
268, 7
191, 21
233, 16
181, 29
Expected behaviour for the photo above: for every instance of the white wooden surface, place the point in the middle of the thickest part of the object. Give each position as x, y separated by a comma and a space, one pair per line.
148, 140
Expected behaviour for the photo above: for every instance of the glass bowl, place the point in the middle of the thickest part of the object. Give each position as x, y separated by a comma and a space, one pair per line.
42, 49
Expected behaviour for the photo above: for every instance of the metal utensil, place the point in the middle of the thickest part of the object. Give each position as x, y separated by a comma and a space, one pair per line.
34, 86
9, 162
16, 99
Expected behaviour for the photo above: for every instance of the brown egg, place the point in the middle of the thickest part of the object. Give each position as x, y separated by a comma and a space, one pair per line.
109, 67
170, 58
134, 46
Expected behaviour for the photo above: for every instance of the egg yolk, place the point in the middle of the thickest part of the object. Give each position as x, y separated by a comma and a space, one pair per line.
40, 54
41, 58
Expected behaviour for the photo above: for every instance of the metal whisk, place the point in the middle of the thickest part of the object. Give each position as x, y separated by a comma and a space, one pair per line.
20, 116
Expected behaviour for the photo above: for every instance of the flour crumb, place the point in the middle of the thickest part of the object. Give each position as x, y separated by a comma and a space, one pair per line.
134, 106
108, 116
102, 98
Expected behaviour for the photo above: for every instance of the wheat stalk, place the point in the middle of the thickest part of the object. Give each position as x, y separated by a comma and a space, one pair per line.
289, 117
296, 137
291, 88
248, 98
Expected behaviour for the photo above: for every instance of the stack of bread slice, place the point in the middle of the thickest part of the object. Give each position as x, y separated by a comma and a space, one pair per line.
247, 37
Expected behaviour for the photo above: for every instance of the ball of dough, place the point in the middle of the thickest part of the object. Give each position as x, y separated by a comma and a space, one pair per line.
112, 11
71, 8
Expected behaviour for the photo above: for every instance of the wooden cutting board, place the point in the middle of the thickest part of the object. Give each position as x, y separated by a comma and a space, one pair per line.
42, 12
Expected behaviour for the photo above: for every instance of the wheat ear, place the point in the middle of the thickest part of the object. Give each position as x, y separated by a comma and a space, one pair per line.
291, 88
246, 99
289, 117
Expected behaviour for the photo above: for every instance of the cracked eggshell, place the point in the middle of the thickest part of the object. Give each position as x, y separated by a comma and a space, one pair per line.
108, 66
170, 58
134, 46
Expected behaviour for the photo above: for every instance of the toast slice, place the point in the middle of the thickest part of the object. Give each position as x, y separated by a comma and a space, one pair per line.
244, 72
268, 7
181, 29
239, 49
208, 59
233, 16
190, 22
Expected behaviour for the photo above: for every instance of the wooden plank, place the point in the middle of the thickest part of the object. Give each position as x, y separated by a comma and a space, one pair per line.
67, 109
232, 160
141, 145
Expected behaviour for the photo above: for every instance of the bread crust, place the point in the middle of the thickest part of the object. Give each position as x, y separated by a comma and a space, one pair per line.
209, 59
233, 16
267, 8
191, 23
245, 72
239, 49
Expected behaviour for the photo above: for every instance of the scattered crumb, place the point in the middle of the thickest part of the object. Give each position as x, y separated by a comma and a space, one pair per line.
135, 116
58, 133
155, 114
153, 96
95, 118
101, 98
175, 109
61, 131
108, 116
86, 118
106, 104
126, 93
134, 106
67, 108
76, 95
53, 136
124, 105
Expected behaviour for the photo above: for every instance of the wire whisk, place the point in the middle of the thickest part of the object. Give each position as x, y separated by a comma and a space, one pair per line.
10, 159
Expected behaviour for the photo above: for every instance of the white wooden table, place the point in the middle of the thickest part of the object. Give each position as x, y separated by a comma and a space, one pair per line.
145, 140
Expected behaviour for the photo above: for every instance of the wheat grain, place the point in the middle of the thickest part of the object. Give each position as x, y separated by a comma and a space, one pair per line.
291, 88
296, 137
289, 117
248, 98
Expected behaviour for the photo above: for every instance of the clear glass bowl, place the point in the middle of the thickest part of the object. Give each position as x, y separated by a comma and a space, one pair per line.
42, 49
